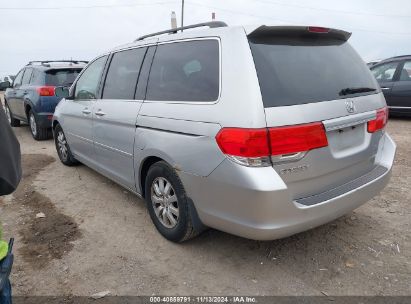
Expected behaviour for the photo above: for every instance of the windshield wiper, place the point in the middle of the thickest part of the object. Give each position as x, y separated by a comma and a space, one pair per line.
349, 91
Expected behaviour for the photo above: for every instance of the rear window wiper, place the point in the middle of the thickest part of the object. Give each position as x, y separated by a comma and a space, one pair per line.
349, 91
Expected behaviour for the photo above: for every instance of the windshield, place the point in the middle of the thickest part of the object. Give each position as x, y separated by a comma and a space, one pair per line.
61, 77
298, 70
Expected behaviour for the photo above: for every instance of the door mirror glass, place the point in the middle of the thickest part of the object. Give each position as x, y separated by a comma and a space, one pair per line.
4, 85
62, 92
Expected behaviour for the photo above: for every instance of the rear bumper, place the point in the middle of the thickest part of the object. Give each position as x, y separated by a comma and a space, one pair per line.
255, 203
406, 111
44, 120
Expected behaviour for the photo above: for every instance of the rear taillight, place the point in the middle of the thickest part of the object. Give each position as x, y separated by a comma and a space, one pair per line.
318, 29
299, 138
246, 146
46, 91
379, 122
254, 147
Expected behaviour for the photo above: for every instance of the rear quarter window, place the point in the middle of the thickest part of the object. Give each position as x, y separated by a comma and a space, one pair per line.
38, 77
185, 71
299, 70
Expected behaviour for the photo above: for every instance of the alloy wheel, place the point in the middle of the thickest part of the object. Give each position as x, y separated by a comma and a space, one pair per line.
33, 125
62, 145
165, 203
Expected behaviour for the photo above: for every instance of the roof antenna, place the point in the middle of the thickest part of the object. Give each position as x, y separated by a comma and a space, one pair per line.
173, 20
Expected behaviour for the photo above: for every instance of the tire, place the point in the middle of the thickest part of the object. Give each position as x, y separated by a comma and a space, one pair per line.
37, 132
158, 205
12, 121
63, 148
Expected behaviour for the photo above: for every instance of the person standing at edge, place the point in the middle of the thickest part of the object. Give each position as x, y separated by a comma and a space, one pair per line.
10, 175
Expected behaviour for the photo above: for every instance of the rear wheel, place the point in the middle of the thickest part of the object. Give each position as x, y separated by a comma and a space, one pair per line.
12, 121
37, 132
168, 204
63, 149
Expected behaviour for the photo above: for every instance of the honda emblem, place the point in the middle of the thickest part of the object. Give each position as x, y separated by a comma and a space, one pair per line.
349, 105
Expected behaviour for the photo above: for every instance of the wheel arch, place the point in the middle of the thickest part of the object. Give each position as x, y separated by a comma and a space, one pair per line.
27, 108
144, 167
55, 123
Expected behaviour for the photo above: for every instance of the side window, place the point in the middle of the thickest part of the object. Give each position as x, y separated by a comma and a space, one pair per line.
37, 78
185, 71
88, 83
385, 72
27, 76
122, 75
17, 80
405, 74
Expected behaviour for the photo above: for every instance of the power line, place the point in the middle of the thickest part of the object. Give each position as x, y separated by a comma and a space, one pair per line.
332, 10
236, 12
289, 21
84, 7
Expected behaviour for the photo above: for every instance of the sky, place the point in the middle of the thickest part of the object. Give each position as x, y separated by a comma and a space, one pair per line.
83, 29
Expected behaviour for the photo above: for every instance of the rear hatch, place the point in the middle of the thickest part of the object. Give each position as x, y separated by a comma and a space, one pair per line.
52, 78
321, 104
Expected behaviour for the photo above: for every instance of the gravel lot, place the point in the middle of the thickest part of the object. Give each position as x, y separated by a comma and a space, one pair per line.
96, 236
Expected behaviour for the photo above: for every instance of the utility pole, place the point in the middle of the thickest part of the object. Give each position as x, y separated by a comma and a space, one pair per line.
182, 13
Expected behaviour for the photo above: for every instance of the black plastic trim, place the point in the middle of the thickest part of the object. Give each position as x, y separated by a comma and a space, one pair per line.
333, 193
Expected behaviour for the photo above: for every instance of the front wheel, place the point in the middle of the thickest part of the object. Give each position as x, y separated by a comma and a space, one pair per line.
62, 147
37, 132
168, 204
12, 121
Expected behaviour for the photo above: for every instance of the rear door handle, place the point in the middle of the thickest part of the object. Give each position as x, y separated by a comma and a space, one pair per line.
100, 113
385, 88
86, 111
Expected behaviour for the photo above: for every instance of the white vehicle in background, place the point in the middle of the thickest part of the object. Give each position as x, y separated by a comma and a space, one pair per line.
4, 81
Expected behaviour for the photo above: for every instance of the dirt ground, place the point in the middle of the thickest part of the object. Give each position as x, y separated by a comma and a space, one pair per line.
96, 236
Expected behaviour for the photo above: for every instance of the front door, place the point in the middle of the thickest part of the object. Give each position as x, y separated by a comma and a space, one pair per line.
385, 74
77, 121
12, 96
115, 115
22, 93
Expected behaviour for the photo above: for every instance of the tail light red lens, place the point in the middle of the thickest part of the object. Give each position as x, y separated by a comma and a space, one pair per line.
243, 142
379, 122
317, 29
299, 138
261, 143
46, 91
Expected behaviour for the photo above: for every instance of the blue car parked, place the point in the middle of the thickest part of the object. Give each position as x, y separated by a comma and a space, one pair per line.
32, 99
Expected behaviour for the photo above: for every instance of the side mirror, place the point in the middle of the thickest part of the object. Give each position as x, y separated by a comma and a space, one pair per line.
5, 85
62, 92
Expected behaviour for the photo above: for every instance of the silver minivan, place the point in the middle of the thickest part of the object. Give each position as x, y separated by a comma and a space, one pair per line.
262, 132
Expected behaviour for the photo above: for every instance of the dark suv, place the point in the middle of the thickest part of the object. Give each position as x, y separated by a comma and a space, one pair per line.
32, 99
394, 77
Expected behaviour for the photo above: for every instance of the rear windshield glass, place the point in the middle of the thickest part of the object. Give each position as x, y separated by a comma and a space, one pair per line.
300, 70
61, 77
